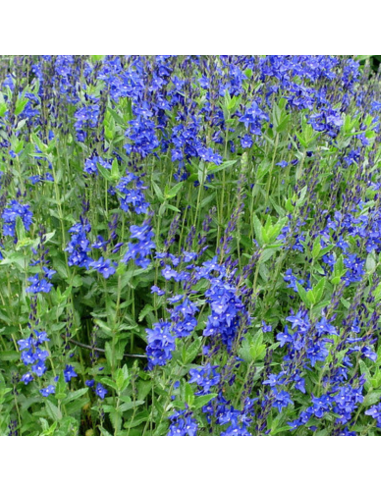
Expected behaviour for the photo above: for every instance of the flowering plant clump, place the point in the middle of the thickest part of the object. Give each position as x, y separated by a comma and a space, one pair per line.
190, 245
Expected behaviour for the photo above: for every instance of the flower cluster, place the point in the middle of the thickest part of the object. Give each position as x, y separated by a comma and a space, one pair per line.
161, 344
183, 424
86, 117
39, 284
140, 250
10, 214
33, 356
131, 195
266, 317
228, 310
103, 267
79, 245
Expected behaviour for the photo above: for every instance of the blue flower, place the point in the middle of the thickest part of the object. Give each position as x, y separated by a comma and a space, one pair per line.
253, 118
50, 390
35, 179
142, 249
346, 402
28, 357
27, 378
103, 267
69, 373
131, 194
161, 344
38, 285
157, 290
10, 215
281, 399
101, 391
282, 164
247, 142
26, 344
183, 424
205, 378
266, 328
323, 327
375, 413
79, 245
39, 368
41, 337
91, 165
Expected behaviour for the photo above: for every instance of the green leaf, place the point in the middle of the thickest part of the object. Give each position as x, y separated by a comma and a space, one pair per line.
75, 395
190, 353
171, 207
304, 295
338, 271
345, 303
370, 264
214, 168
179, 404
129, 405
283, 123
203, 400
104, 432
301, 139
273, 231
103, 326
48, 431
363, 57
365, 370
117, 117
9, 356
52, 410
377, 293
316, 248
20, 229
139, 419
60, 396
257, 348
258, 228
144, 387
253, 348
110, 356
110, 382
189, 395
20, 106
173, 191
143, 313
3, 109
289, 205
318, 291
158, 192
301, 196
104, 172
61, 386
115, 170
267, 254
372, 398
263, 169
122, 378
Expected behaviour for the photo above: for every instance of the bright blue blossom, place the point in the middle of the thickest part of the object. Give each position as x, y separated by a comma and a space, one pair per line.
161, 344
10, 214
183, 424
49, 390
131, 194
69, 373
38, 285
103, 267
101, 391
